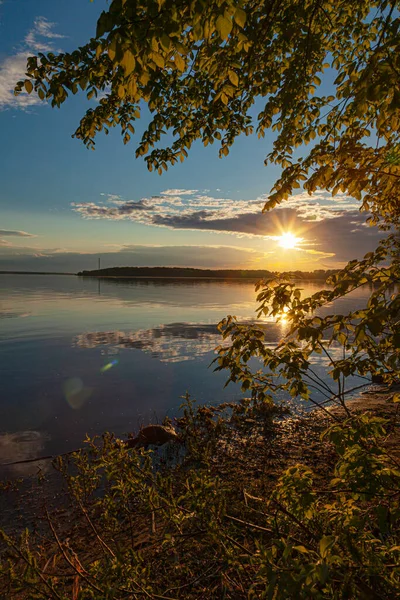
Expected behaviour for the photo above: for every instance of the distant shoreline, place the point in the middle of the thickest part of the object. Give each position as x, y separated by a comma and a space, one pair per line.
35, 273
185, 277
195, 273
182, 273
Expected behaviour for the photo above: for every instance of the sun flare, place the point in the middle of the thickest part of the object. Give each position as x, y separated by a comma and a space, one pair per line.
288, 240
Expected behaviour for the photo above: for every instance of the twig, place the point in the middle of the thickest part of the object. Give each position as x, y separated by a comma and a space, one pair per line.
66, 557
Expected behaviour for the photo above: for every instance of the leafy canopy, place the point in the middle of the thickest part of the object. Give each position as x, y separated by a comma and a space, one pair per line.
328, 73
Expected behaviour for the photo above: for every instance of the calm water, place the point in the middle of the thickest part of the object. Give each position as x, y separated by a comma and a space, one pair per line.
82, 356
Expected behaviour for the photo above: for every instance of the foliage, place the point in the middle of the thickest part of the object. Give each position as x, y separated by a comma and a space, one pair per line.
139, 527
324, 72
362, 343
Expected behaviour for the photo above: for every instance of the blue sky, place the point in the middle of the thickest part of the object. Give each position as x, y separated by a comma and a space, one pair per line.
62, 205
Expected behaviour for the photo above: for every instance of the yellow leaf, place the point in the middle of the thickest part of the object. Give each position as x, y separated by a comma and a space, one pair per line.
223, 26
132, 87
158, 59
233, 78
112, 50
180, 63
128, 62
240, 17
144, 78
28, 86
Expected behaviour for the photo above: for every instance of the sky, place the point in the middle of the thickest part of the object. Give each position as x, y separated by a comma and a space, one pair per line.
62, 206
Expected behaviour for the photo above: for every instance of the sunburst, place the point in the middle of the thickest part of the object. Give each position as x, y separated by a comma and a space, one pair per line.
288, 240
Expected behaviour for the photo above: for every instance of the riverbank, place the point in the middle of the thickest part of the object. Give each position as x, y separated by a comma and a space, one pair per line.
251, 453
218, 500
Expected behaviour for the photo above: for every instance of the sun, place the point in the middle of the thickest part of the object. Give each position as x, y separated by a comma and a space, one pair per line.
288, 240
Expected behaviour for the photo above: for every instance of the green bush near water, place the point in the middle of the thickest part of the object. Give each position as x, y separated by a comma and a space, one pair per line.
199, 528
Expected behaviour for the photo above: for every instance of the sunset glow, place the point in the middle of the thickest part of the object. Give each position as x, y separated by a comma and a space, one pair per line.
288, 240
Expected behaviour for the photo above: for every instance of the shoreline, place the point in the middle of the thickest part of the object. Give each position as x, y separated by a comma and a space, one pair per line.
150, 277
252, 456
376, 399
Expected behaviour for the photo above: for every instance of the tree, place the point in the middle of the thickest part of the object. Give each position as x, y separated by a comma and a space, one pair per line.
328, 74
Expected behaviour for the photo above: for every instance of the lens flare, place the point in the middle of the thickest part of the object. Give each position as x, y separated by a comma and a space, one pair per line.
76, 393
109, 366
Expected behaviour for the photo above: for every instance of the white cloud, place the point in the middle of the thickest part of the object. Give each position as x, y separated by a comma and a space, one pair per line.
42, 27
176, 192
13, 68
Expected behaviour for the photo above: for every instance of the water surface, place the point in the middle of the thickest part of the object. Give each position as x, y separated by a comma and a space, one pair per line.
80, 356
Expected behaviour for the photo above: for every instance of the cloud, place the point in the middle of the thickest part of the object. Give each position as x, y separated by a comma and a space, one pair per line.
188, 209
178, 192
43, 28
13, 68
124, 209
332, 230
11, 232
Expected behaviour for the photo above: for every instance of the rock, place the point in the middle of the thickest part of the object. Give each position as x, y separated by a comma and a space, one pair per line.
377, 379
156, 435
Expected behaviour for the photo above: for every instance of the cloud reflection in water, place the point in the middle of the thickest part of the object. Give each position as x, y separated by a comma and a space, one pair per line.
173, 342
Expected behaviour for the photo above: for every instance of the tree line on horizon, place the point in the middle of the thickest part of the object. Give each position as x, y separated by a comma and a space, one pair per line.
319, 274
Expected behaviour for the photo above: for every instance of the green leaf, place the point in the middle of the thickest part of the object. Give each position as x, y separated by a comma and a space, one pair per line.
325, 544
223, 26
